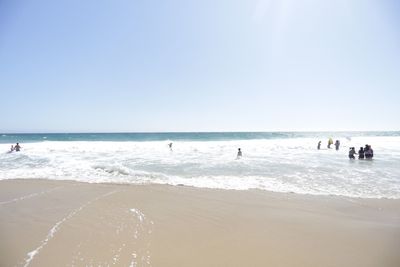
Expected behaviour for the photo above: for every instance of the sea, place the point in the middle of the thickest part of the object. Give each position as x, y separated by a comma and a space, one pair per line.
272, 161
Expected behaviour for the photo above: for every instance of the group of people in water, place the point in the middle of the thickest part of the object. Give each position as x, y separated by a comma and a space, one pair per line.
330, 142
15, 148
363, 153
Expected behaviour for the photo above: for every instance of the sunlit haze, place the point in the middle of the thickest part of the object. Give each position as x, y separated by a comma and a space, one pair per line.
114, 66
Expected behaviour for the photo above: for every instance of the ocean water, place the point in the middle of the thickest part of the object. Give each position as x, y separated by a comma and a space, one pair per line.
273, 161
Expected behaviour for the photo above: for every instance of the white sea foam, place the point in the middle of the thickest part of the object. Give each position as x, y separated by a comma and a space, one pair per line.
283, 165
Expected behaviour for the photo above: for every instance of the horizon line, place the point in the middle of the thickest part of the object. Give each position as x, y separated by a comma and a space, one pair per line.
170, 132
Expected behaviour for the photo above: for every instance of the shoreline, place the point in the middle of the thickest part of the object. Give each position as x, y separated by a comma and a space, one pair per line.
311, 195
76, 223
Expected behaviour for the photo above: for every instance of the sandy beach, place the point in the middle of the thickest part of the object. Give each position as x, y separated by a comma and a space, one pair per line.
63, 223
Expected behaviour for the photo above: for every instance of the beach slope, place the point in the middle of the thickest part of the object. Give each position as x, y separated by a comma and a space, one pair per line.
62, 223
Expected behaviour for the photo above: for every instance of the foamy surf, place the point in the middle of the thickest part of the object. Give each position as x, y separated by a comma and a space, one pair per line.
291, 164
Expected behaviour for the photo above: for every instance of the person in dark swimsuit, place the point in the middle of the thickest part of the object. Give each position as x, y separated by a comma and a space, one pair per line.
361, 153
337, 144
352, 152
239, 154
369, 153
17, 147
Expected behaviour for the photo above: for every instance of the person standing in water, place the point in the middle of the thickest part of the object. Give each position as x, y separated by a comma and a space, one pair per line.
239, 154
337, 144
352, 152
17, 147
319, 145
361, 153
330, 142
369, 153
170, 146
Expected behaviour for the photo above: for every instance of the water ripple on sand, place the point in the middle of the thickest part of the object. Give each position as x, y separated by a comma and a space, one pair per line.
31, 255
30, 196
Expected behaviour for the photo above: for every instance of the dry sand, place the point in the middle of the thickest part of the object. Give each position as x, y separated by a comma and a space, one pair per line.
49, 223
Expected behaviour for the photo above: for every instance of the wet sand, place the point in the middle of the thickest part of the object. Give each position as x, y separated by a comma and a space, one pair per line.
62, 223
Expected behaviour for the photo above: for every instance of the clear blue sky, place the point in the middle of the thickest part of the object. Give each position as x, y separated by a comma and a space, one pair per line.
210, 65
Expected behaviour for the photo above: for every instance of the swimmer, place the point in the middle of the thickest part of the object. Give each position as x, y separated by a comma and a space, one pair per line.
337, 144
319, 145
239, 154
11, 149
17, 147
170, 146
